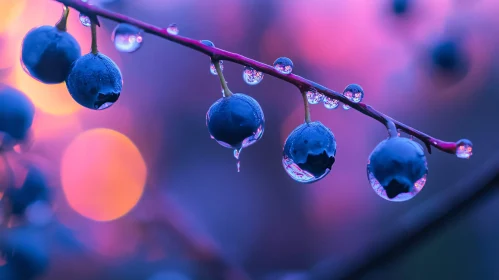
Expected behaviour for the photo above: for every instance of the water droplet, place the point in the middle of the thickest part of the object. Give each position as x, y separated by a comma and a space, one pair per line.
238, 166
85, 20
348, 95
127, 38
464, 149
330, 103
283, 65
299, 174
208, 43
354, 93
172, 29
213, 69
314, 97
257, 135
251, 76
237, 153
378, 188
211, 136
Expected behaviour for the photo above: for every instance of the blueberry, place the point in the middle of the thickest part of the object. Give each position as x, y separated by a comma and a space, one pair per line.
397, 169
47, 54
309, 152
95, 81
401, 7
16, 113
236, 121
32, 190
448, 58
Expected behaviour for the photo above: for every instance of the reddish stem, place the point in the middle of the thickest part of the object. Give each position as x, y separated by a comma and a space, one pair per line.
219, 54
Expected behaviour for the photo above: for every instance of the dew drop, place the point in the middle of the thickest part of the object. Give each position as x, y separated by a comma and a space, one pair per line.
314, 97
251, 76
298, 174
127, 38
238, 166
207, 43
237, 153
464, 149
283, 65
213, 69
85, 20
330, 103
380, 190
172, 29
349, 96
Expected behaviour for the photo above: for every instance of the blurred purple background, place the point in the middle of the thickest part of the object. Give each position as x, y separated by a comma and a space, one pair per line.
194, 214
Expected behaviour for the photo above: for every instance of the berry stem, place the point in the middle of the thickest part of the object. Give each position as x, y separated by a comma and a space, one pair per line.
63, 22
307, 107
227, 92
392, 129
220, 54
95, 50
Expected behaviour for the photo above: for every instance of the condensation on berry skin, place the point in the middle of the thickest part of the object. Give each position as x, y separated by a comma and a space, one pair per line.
314, 97
298, 174
85, 20
283, 65
464, 149
330, 103
213, 69
251, 76
172, 29
127, 38
378, 188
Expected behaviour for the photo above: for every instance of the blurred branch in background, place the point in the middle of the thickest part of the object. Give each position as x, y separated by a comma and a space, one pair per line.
425, 221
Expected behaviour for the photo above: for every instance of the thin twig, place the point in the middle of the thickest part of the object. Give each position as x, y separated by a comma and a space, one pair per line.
423, 222
306, 106
220, 74
303, 84
93, 27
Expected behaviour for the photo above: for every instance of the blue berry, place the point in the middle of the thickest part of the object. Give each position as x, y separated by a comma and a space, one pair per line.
47, 54
32, 190
449, 58
95, 81
397, 169
236, 121
400, 7
309, 152
16, 113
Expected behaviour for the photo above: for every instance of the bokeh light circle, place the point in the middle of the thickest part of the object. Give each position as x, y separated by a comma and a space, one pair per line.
102, 174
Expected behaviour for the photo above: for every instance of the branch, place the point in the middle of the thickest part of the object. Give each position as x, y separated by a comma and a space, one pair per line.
219, 54
423, 222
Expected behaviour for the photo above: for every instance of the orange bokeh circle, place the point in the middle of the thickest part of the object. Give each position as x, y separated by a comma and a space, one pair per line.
103, 174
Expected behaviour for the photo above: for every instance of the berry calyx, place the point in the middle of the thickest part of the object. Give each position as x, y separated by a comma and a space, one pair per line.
309, 152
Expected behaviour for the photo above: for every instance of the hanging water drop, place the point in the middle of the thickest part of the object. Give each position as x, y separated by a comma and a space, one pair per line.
172, 29
127, 38
213, 69
330, 103
354, 93
237, 153
238, 166
251, 76
464, 149
314, 97
283, 65
85, 20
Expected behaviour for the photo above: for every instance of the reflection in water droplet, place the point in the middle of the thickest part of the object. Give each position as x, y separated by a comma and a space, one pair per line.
283, 65
299, 174
172, 29
349, 96
251, 76
314, 97
127, 38
213, 69
464, 149
378, 188
330, 103
208, 43
85, 20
